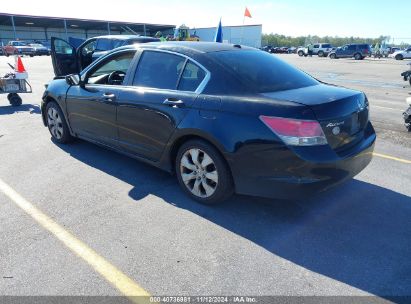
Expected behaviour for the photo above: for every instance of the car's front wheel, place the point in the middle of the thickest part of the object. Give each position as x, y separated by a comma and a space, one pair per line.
320, 54
333, 56
57, 124
203, 173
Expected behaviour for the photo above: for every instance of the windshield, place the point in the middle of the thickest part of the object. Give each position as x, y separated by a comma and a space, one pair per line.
263, 72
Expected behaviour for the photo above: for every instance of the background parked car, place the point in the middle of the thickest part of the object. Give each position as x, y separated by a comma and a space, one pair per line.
401, 55
267, 48
280, 50
320, 49
357, 51
292, 50
73, 60
39, 49
18, 48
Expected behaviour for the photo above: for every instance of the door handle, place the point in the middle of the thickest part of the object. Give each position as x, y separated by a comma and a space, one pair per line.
108, 97
174, 102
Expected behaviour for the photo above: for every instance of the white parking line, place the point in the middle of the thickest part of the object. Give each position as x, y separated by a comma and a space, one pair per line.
109, 272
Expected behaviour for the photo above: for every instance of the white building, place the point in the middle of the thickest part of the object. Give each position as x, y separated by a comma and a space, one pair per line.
249, 35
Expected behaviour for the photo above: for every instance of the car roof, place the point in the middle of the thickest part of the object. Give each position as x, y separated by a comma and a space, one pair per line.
189, 47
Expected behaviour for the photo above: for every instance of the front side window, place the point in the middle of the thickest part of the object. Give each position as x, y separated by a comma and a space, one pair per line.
62, 47
112, 71
159, 70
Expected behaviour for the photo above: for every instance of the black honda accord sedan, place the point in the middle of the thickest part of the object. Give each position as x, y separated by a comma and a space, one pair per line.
224, 118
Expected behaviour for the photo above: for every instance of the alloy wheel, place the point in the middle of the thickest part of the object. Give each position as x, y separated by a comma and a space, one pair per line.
199, 173
55, 123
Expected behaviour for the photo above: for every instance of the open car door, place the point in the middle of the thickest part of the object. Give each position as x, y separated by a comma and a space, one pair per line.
64, 57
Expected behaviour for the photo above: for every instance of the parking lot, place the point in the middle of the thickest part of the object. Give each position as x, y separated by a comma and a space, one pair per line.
81, 220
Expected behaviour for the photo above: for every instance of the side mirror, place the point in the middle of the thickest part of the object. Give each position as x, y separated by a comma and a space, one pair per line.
74, 80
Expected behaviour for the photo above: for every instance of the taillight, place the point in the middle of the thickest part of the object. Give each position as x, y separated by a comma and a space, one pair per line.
295, 132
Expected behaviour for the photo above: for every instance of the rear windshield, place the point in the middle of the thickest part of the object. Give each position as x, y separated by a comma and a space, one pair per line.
263, 72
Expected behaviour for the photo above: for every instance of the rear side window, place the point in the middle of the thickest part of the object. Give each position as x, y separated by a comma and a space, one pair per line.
262, 72
352, 48
159, 70
327, 46
192, 77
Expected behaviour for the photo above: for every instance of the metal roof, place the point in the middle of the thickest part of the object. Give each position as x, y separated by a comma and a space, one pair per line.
88, 24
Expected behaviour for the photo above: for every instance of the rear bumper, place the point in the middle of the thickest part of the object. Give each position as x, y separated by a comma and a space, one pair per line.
284, 173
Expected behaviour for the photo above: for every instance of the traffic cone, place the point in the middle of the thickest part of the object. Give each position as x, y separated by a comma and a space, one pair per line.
20, 70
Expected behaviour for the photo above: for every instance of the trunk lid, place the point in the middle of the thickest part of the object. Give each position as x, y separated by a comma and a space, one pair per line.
342, 113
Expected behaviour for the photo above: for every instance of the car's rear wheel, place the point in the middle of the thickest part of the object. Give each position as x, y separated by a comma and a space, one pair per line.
357, 56
399, 57
203, 173
57, 124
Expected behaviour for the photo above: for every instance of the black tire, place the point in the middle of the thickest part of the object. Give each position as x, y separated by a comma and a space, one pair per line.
31, 55
357, 56
224, 188
301, 53
14, 99
62, 135
7, 54
333, 56
399, 57
320, 54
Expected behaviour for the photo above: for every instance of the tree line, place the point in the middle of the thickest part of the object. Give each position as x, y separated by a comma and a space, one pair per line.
288, 41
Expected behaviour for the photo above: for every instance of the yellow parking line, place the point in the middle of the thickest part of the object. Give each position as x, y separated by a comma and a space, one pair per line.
405, 161
108, 271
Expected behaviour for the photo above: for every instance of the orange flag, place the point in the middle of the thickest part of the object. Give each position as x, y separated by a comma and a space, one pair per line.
247, 13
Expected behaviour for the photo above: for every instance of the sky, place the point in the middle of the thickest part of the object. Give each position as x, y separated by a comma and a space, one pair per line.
364, 18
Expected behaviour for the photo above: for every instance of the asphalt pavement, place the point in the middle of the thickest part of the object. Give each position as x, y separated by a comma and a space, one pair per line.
81, 220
